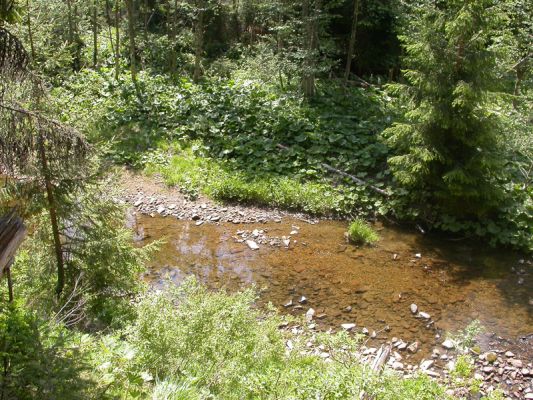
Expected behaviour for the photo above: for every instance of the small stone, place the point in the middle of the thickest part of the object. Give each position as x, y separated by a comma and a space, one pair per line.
348, 309
161, 209
509, 354
525, 371
426, 364
198, 223
252, 245
478, 376
215, 218
365, 331
424, 315
295, 232
348, 327
488, 369
374, 335
448, 344
491, 356
413, 347
397, 356
321, 316
310, 314
302, 300
288, 304
286, 242
138, 203
195, 217
414, 308
516, 363
395, 257
529, 396
418, 255
397, 365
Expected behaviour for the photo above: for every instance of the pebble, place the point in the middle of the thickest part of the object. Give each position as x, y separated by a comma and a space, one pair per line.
414, 308
448, 344
413, 347
509, 354
516, 363
302, 300
288, 304
491, 356
426, 364
424, 315
397, 365
252, 245
310, 314
348, 327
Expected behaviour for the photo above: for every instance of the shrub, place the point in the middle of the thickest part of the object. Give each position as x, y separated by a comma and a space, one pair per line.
360, 232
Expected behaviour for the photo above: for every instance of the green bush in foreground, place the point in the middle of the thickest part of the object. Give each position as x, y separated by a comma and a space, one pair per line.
360, 232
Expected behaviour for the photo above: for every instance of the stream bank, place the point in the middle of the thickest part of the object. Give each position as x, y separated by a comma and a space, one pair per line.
304, 267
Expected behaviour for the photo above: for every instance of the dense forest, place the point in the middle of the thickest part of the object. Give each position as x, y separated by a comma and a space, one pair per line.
413, 113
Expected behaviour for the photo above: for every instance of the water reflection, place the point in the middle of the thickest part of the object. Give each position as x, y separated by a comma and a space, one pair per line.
372, 287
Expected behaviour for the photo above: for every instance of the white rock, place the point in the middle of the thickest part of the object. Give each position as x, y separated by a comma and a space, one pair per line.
424, 315
397, 365
252, 245
310, 314
448, 344
414, 308
365, 331
294, 232
426, 364
418, 255
348, 327
302, 300
286, 242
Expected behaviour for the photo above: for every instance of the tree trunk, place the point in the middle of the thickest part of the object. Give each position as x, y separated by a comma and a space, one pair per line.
52, 211
95, 33
353, 37
311, 44
172, 27
131, 34
117, 38
30, 31
199, 42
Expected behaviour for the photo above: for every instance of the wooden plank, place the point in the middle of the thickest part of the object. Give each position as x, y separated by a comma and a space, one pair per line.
12, 233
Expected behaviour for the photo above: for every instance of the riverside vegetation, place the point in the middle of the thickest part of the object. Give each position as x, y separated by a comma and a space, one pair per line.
424, 108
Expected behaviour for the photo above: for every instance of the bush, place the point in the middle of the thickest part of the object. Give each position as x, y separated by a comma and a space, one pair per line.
360, 232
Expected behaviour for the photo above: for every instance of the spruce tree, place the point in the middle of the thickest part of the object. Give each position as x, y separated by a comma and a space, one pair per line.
445, 147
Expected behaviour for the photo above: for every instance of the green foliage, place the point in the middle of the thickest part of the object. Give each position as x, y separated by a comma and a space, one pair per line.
466, 338
103, 266
40, 361
447, 144
360, 232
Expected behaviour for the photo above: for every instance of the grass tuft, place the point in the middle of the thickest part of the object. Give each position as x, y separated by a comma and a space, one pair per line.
360, 232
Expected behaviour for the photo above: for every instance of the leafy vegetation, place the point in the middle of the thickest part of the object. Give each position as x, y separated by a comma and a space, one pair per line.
294, 104
360, 232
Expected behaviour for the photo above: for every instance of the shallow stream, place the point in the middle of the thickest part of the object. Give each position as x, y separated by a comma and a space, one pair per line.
373, 287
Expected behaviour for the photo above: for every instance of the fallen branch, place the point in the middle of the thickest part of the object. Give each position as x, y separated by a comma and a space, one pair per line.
345, 174
381, 358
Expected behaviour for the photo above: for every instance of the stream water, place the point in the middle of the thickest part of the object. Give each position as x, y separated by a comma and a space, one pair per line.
373, 287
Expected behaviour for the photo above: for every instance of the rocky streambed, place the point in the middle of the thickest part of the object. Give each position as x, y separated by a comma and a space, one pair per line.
406, 293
